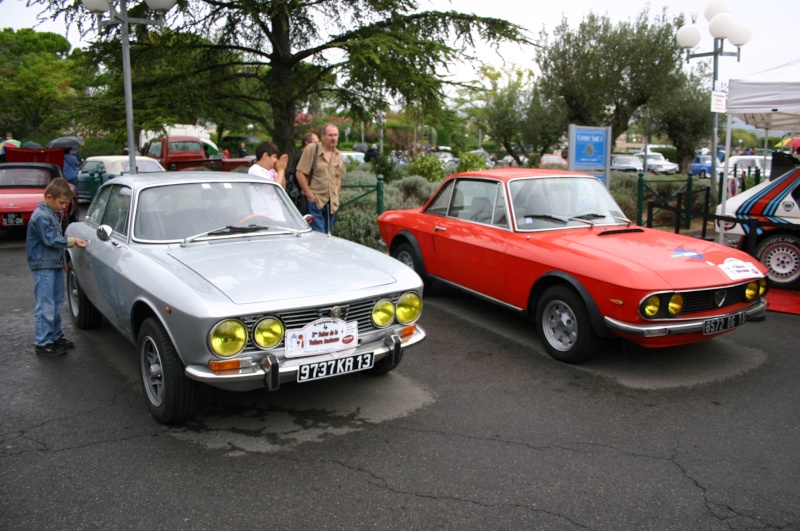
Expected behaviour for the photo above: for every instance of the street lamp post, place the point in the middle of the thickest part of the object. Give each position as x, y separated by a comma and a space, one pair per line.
721, 25
98, 7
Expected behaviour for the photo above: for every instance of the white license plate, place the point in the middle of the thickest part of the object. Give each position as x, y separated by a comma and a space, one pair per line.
10, 220
326, 369
720, 324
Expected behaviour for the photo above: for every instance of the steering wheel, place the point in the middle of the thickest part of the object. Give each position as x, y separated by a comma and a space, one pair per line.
254, 216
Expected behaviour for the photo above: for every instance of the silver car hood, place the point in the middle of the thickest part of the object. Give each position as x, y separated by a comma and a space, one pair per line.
280, 268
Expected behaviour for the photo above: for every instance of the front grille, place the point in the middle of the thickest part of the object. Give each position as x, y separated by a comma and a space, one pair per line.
704, 300
360, 310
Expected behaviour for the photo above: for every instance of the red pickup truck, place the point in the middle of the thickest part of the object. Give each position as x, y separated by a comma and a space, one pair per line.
178, 153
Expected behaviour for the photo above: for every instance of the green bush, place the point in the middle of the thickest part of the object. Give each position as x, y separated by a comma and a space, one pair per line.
471, 162
386, 166
428, 166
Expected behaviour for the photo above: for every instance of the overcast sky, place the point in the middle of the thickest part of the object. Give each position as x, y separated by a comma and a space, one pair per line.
774, 25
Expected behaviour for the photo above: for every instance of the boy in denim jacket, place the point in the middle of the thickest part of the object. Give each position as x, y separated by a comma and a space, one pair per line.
45, 245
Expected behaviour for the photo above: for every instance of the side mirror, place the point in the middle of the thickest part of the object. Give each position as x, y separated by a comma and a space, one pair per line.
104, 232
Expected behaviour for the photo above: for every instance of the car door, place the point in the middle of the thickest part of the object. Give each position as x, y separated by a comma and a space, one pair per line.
105, 288
469, 243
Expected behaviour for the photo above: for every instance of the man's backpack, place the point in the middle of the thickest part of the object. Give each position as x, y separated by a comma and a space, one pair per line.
293, 187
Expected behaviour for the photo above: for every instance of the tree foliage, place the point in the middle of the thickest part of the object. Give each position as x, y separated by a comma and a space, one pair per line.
36, 80
604, 72
267, 58
683, 113
509, 105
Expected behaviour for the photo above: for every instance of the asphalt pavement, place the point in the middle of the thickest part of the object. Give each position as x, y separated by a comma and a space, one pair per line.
477, 429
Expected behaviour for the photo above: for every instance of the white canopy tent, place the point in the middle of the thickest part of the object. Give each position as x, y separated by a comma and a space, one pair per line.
770, 100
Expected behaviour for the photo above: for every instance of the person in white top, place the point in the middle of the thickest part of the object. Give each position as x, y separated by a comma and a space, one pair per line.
268, 164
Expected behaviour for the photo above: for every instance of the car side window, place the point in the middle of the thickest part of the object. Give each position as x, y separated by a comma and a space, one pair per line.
500, 218
119, 204
474, 200
438, 206
98, 206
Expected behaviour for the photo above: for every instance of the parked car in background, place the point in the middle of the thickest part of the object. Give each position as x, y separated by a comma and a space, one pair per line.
443, 156
777, 247
555, 246
701, 166
218, 279
552, 160
179, 153
110, 166
353, 156
626, 163
22, 186
657, 163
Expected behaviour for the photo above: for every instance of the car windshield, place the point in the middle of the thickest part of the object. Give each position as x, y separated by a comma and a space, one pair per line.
562, 202
91, 165
24, 177
189, 210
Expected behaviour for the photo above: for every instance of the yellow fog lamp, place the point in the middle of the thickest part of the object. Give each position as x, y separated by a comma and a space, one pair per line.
675, 304
268, 332
383, 313
651, 306
228, 338
409, 308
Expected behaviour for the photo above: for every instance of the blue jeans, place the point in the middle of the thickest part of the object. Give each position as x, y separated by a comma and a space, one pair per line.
48, 288
323, 220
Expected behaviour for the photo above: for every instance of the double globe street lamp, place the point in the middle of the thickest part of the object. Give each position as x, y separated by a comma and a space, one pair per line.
98, 7
721, 25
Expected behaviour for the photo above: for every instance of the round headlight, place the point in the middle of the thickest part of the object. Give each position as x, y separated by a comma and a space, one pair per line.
763, 287
651, 306
268, 332
751, 290
228, 338
409, 308
675, 304
383, 313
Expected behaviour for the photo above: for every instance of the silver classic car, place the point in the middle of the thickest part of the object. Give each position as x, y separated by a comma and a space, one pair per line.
217, 278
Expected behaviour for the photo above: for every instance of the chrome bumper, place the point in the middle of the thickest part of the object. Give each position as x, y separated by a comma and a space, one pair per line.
269, 372
755, 311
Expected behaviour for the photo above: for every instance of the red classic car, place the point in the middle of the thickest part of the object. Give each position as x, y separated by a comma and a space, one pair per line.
556, 246
22, 187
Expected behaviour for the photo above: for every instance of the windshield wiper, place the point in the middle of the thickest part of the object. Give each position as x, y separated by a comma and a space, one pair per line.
590, 215
228, 229
546, 217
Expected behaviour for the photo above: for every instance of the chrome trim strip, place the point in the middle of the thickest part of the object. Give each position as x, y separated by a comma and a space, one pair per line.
754, 311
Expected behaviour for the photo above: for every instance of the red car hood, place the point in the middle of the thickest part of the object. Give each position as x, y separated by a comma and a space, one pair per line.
639, 255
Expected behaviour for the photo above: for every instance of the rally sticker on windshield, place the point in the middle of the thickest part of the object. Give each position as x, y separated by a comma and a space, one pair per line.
322, 337
738, 270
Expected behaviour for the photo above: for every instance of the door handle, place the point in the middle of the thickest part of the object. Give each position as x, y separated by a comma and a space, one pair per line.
438, 228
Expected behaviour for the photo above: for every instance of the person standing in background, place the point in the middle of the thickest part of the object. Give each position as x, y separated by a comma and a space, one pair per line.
70, 166
322, 188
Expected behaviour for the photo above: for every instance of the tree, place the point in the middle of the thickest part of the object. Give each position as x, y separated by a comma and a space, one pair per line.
603, 73
511, 108
682, 113
35, 82
359, 52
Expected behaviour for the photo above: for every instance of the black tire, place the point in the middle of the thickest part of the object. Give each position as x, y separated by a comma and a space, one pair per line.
406, 254
563, 326
703, 174
780, 254
83, 312
171, 397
